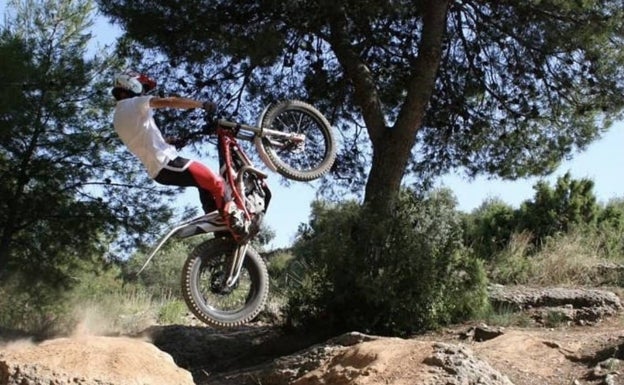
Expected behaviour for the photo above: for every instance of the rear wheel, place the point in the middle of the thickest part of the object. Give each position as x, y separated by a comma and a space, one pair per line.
294, 158
204, 290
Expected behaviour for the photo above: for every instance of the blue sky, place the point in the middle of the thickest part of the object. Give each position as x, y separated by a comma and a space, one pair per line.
602, 162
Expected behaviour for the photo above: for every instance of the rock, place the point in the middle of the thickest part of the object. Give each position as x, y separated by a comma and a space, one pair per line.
260, 354
353, 338
481, 333
374, 360
89, 360
578, 306
461, 366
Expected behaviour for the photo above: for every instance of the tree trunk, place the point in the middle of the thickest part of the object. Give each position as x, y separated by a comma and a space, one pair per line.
392, 146
4, 254
390, 157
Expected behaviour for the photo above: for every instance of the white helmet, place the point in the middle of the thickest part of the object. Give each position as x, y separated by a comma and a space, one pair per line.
134, 82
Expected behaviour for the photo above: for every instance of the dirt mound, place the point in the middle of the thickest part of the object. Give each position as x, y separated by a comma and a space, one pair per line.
518, 356
403, 362
87, 360
563, 356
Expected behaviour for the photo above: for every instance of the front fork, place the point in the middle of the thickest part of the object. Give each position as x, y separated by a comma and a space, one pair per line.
237, 264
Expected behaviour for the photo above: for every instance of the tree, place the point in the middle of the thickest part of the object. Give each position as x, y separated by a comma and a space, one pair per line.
506, 88
67, 188
488, 228
557, 210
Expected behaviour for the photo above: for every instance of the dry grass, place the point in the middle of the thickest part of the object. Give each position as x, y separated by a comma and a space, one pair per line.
571, 259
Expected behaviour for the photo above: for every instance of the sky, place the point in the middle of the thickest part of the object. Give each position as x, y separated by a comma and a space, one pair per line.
602, 162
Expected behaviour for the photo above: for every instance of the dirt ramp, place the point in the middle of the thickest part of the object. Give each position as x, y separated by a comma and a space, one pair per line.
89, 360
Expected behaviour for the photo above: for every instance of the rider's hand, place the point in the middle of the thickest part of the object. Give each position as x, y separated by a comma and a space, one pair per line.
209, 107
176, 142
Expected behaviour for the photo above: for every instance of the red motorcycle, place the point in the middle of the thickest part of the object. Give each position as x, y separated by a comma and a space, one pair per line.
225, 283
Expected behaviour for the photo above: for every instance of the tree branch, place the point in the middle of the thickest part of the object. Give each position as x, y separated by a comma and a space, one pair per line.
425, 68
365, 91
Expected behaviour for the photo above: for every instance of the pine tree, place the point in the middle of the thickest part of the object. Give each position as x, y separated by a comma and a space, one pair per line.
418, 88
67, 188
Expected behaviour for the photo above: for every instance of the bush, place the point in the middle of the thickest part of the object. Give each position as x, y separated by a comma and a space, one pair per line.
98, 303
513, 264
570, 259
24, 310
557, 210
172, 312
162, 274
391, 276
488, 229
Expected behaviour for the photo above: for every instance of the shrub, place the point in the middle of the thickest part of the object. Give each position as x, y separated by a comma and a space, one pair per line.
570, 258
557, 210
488, 229
23, 309
513, 265
391, 276
162, 274
172, 312
98, 303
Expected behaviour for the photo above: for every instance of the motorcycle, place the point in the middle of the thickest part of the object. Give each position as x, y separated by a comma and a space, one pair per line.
225, 283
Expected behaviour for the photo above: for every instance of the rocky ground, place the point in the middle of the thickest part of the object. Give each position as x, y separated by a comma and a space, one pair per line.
570, 336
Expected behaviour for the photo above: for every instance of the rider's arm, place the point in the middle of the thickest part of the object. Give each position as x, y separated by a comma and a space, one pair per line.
175, 102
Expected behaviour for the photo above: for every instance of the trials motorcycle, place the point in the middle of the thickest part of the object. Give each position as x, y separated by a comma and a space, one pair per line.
225, 283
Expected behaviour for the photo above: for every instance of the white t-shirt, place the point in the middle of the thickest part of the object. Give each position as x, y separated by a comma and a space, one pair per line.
134, 123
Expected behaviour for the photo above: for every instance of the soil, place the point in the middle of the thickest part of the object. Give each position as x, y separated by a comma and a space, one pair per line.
553, 356
565, 354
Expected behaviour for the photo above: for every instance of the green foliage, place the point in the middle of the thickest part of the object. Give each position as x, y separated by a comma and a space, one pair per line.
513, 264
284, 269
67, 189
507, 316
172, 312
99, 302
552, 211
556, 318
610, 230
392, 275
35, 311
517, 86
571, 258
162, 274
488, 229
36, 307
559, 236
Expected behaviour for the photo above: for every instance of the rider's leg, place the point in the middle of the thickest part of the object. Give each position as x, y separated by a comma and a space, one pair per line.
207, 201
207, 180
184, 172
233, 216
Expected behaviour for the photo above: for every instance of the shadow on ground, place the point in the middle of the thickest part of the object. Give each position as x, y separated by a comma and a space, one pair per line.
207, 352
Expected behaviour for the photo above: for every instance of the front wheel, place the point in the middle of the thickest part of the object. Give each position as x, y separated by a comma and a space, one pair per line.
305, 147
204, 291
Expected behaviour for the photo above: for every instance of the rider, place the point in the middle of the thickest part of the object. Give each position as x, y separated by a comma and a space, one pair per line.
134, 123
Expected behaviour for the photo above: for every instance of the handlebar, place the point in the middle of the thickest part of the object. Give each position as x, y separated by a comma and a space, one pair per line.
250, 132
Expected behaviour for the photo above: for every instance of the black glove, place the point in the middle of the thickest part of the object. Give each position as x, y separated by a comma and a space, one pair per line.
178, 143
209, 107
